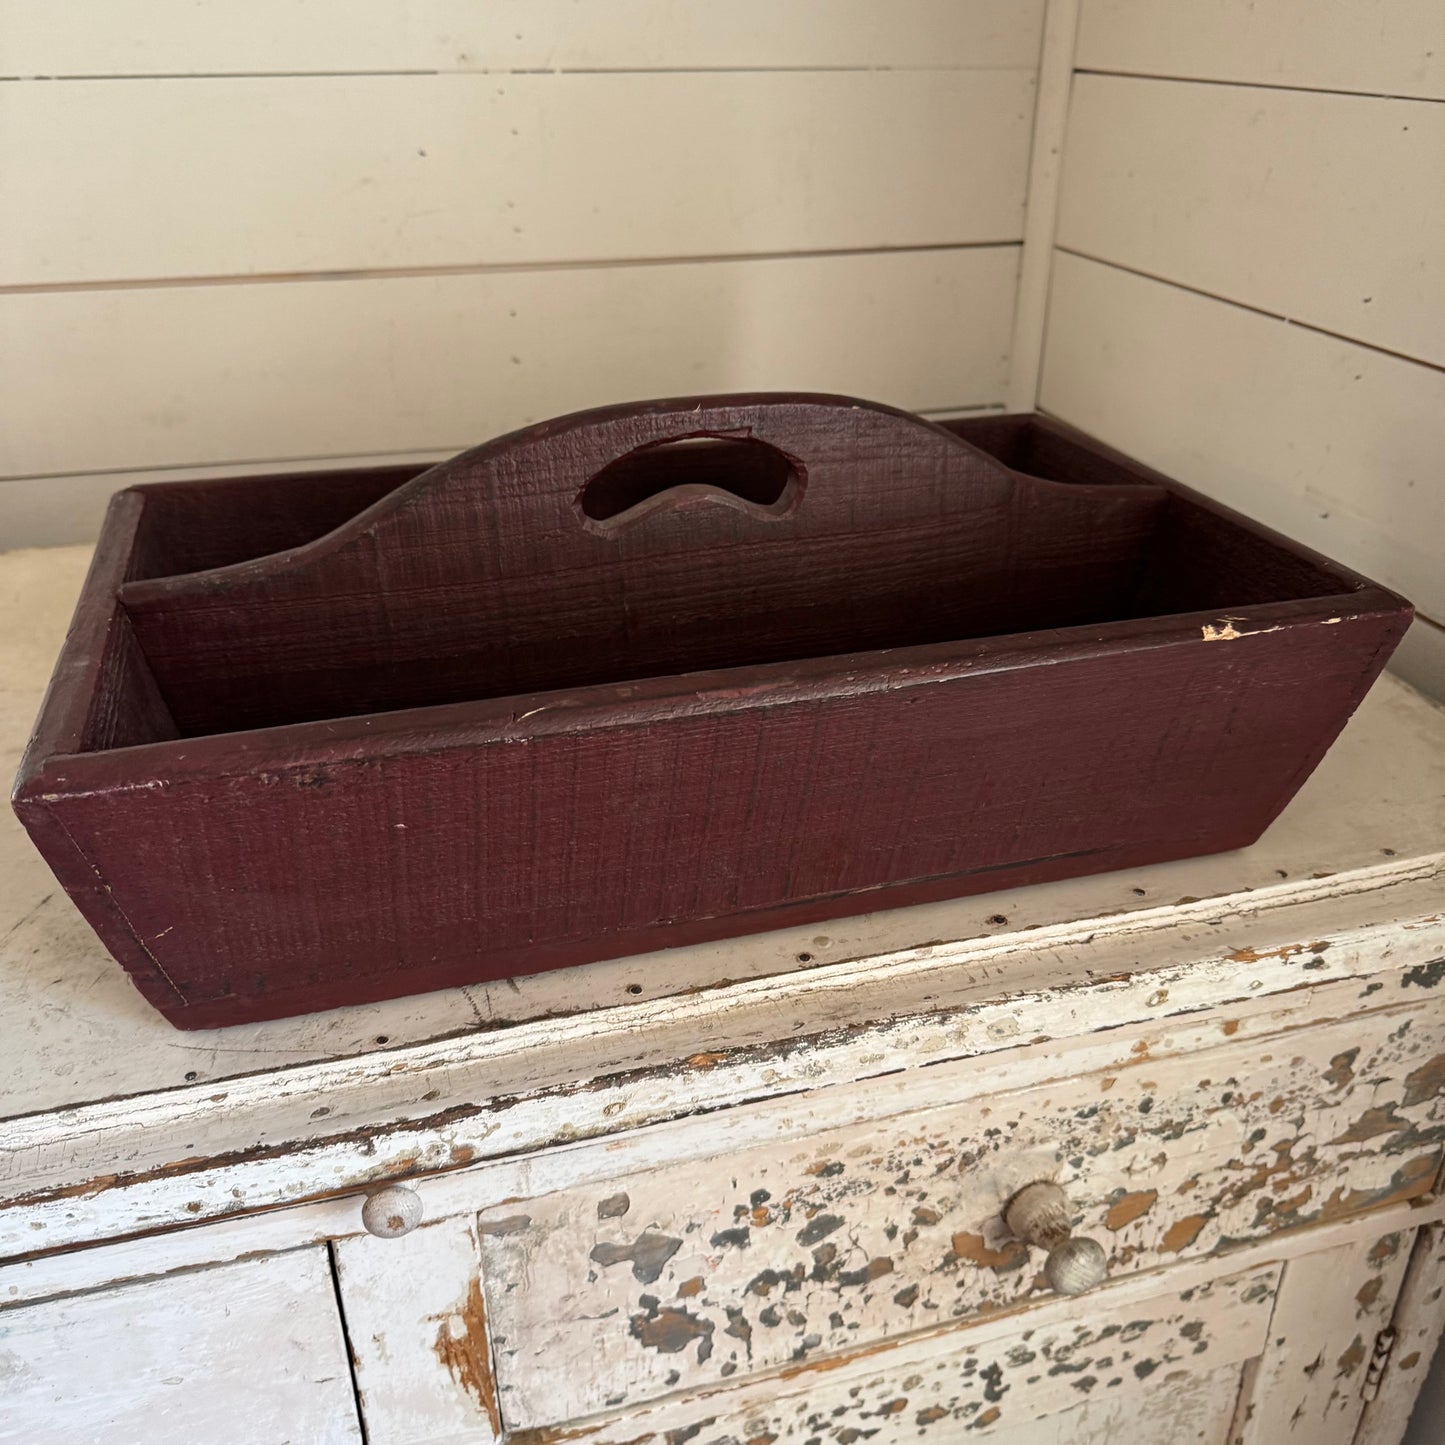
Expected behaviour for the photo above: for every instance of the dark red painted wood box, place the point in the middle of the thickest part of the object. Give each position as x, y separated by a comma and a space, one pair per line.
658, 674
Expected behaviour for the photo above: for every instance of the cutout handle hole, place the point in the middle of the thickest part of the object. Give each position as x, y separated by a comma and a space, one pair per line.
749, 469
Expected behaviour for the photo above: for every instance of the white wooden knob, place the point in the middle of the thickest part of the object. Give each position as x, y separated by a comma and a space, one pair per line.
391, 1212
1076, 1266
1039, 1215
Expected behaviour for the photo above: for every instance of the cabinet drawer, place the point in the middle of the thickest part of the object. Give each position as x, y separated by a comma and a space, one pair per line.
783, 1254
242, 1353
1069, 1373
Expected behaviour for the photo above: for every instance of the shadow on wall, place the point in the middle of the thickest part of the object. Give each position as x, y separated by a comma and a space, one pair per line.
1427, 1424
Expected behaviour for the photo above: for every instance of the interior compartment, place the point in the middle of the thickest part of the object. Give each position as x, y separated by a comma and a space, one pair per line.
192, 526
1198, 558
1159, 553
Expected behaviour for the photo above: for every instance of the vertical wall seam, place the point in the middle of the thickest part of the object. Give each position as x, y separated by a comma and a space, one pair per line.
1046, 155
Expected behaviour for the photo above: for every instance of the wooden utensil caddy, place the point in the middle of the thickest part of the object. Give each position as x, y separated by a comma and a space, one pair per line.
657, 674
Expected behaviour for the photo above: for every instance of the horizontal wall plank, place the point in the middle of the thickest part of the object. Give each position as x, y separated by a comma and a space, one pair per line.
1388, 47
199, 375
51, 511
1336, 445
214, 37
54, 510
1324, 208
222, 177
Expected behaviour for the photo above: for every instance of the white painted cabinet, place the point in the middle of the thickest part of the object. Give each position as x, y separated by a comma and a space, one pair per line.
753, 1193
249, 1353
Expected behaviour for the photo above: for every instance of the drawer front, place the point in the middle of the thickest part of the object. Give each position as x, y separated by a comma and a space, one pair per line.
247, 1352
780, 1255
1071, 1373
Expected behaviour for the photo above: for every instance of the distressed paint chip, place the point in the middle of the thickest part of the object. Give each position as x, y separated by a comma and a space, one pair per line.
669, 1330
808, 1249
1226, 631
1129, 1208
463, 1348
647, 1254
952, 1385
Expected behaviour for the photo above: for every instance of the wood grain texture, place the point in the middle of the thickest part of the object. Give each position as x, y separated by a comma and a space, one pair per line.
1321, 208
1013, 1381
1310, 1378
249, 1352
306, 1108
210, 37
799, 766
291, 176
190, 375
825, 1244
1393, 48
1336, 445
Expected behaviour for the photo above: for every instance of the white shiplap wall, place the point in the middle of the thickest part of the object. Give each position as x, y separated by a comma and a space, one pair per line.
315, 231
1248, 287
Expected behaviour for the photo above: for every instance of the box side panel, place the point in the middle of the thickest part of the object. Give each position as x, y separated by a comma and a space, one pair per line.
392, 871
79, 872
81, 667
188, 526
100, 694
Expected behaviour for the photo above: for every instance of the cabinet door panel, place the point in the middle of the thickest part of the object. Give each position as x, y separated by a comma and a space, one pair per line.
417, 1321
1310, 1382
242, 1354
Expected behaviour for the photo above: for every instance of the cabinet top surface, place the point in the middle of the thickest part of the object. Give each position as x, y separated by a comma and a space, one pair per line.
74, 1031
